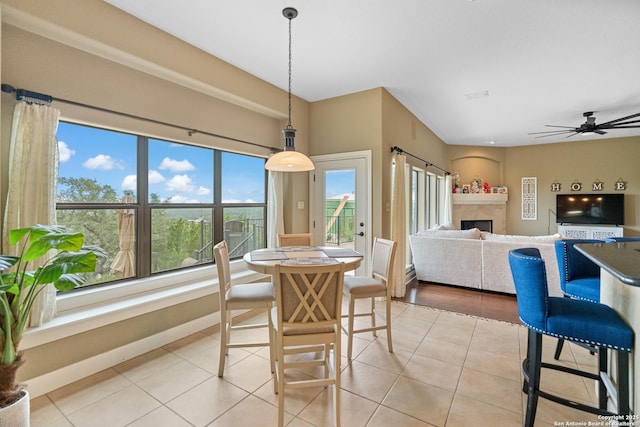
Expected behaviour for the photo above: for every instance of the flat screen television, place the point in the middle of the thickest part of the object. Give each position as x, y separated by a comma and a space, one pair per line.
590, 209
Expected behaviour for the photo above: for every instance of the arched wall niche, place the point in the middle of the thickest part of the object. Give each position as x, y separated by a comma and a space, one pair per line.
471, 167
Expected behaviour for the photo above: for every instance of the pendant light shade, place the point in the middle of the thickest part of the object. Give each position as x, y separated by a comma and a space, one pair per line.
289, 160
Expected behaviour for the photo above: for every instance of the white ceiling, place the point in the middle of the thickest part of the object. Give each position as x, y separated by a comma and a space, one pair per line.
541, 62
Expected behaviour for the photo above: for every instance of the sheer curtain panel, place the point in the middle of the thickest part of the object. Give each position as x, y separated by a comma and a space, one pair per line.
33, 175
275, 216
448, 200
398, 223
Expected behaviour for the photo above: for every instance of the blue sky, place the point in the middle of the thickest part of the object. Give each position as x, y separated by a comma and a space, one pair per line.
177, 172
339, 182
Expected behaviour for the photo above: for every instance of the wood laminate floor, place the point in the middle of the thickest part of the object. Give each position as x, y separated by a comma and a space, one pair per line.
462, 300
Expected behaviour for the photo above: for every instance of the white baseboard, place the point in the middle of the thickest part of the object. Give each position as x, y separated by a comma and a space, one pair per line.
50, 381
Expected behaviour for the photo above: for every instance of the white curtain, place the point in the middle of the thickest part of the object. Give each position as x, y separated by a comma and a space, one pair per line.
398, 223
275, 217
33, 174
448, 200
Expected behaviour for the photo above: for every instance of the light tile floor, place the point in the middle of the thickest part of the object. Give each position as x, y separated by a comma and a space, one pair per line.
447, 369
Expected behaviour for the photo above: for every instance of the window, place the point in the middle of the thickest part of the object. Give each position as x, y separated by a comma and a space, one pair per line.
156, 205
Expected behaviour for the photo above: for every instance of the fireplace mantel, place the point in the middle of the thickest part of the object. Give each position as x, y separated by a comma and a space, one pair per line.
479, 199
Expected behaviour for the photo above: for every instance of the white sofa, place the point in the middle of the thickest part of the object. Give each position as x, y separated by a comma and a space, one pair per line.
475, 259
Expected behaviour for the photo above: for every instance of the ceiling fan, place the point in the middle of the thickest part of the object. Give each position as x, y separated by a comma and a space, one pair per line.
590, 126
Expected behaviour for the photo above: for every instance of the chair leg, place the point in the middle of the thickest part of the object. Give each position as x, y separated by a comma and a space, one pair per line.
272, 349
623, 383
602, 368
558, 349
534, 357
352, 313
337, 359
373, 316
279, 377
388, 320
224, 340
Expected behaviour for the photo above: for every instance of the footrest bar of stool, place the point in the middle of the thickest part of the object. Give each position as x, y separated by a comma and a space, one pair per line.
575, 405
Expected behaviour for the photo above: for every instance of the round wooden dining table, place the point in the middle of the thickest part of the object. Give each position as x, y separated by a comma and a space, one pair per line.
265, 260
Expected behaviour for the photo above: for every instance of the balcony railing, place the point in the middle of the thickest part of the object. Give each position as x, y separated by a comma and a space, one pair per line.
340, 228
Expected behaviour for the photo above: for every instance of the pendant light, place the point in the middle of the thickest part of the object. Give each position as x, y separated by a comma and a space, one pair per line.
289, 160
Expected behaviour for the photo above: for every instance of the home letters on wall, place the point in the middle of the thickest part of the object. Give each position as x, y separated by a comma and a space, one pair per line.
597, 185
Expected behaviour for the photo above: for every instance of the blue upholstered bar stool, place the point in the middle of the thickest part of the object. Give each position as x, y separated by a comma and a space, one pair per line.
579, 276
622, 239
570, 319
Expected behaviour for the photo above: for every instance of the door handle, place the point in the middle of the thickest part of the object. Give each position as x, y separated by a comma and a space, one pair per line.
360, 233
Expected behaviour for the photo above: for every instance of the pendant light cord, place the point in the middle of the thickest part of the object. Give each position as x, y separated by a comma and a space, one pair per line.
289, 124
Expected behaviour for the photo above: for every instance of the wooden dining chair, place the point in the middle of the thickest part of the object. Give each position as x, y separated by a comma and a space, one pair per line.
372, 287
306, 319
249, 296
298, 239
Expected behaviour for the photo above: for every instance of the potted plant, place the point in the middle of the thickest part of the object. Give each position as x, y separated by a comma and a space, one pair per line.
62, 259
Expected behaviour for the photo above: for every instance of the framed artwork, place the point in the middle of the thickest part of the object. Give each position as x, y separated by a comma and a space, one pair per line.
529, 198
466, 188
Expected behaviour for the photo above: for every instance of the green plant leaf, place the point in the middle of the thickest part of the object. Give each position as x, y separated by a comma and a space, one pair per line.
66, 282
66, 263
62, 241
7, 261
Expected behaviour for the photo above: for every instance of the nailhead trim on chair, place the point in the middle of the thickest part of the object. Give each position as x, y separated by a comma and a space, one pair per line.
597, 344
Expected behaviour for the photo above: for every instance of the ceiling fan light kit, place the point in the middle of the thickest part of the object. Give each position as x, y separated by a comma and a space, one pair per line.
590, 127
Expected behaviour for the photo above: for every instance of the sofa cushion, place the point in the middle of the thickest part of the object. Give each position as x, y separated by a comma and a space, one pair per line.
524, 239
473, 233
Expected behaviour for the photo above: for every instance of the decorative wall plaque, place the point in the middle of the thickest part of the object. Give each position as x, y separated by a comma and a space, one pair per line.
556, 186
576, 186
620, 185
530, 198
597, 185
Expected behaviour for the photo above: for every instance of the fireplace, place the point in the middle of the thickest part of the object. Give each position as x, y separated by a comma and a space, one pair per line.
482, 224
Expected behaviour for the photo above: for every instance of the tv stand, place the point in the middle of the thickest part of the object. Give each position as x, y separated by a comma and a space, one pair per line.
585, 231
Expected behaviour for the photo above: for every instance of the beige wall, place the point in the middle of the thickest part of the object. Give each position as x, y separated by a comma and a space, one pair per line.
352, 123
605, 160
47, 47
216, 97
373, 120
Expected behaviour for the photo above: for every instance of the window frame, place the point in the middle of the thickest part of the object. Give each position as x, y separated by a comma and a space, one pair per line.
144, 213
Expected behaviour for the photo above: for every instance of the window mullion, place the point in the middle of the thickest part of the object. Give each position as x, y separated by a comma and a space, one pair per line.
143, 258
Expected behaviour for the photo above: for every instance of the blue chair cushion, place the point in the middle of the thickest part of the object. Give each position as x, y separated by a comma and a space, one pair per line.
587, 288
587, 322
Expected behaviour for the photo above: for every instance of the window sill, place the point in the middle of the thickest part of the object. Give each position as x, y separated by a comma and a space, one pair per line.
83, 311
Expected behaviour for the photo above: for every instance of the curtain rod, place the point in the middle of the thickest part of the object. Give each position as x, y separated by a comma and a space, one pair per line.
427, 164
40, 98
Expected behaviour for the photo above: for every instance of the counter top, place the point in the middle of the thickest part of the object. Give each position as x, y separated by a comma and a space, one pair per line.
622, 259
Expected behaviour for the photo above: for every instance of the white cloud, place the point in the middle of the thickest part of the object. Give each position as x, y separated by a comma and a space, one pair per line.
102, 162
203, 191
130, 182
181, 199
176, 165
155, 177
180, 184
64, 152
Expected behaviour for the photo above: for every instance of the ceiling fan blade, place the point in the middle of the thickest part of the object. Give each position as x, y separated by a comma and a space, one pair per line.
551, 132
573, 134
554, 126
600, 132
621, 119
623, 127
615, 125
